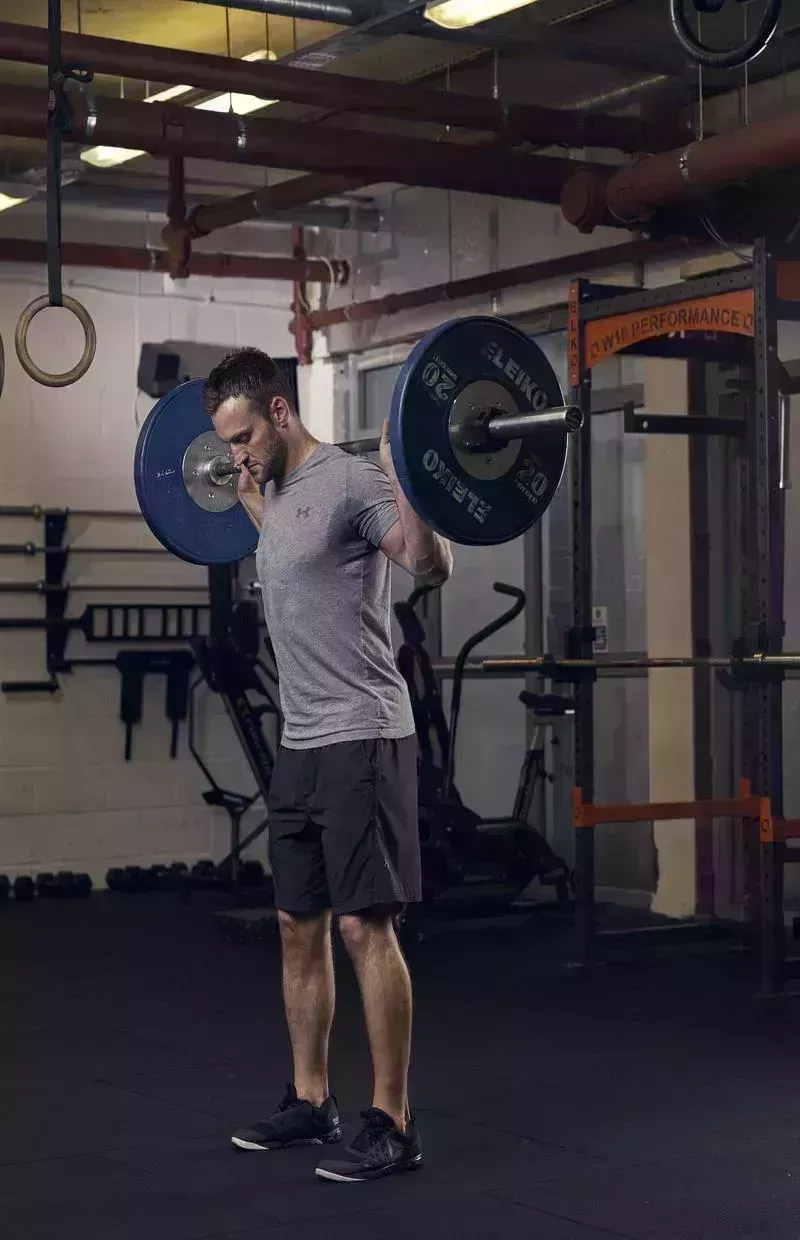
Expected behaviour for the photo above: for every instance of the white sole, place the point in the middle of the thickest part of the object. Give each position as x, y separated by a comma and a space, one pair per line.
270, 1149
339, 1179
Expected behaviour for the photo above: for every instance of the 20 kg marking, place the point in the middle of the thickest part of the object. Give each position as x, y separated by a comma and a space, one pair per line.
440, 380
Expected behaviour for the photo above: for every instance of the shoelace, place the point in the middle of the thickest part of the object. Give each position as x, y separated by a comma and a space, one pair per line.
291, 1100
376, 1126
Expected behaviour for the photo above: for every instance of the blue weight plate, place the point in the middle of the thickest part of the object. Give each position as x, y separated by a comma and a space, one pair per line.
465, 365
183, 527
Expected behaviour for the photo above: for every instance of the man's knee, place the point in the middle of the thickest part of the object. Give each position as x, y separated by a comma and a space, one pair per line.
360, 929
303, 934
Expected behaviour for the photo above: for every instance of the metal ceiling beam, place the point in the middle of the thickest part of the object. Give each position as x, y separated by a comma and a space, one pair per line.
166, 129
514, 123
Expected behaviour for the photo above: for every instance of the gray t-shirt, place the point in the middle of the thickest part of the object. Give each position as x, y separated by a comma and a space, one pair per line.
326, 592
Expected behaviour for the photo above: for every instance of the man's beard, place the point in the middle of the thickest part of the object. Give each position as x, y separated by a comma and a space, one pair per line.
274, 468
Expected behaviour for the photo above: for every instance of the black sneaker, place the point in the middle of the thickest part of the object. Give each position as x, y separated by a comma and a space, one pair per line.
294, 1123
379, 1149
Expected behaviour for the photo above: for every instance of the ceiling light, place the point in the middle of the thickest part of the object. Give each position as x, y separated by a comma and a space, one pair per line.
111, 156
13, 199
171, 92
456, 14
263, 53
240, 104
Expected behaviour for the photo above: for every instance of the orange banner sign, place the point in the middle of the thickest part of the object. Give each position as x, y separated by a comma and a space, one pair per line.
724, 312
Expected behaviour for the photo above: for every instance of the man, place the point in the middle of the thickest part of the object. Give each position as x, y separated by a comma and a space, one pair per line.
343, 802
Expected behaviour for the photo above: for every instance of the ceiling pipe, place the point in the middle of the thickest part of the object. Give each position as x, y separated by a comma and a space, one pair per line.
513, 122
142, 200
206, 218
568, 265
300, 326
632, 194
127, 258
166, 129
300, 10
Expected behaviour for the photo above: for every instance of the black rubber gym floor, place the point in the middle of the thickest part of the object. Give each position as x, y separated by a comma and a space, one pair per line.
656, 1101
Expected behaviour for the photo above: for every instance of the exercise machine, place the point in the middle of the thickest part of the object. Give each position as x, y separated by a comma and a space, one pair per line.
472, 866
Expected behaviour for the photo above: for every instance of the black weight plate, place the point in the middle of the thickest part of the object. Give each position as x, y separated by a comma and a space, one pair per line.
184, 528
494, 360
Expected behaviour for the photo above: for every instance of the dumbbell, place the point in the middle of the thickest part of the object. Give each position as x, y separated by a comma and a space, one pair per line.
24, 889
176, 874
136, 879
70, 886
204, 871
157, 877
251, 874
63, 886
130, 879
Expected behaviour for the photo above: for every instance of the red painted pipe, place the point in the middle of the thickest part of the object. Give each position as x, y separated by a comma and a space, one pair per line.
127, 258
180, 245
635, 192
300, 325
208, 217
568, 265
166, 129
511, 121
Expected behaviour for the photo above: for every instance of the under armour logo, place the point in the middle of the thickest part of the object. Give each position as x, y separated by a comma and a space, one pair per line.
303, 512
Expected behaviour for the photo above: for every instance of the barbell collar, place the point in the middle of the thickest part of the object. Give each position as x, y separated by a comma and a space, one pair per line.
506, 427
222, 467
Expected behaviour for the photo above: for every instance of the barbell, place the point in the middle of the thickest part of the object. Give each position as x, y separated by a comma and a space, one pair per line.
479, 433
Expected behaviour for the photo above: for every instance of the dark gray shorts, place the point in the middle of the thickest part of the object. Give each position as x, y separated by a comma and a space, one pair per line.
343, 831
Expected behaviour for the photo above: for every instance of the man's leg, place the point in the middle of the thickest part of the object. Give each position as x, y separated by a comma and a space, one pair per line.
386, 994
366, 800
308, 995
307, 1114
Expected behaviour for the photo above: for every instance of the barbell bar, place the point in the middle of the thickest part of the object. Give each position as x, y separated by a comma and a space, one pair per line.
541, 663
497, 432
72, 587
38, 511
479, 433
31, 549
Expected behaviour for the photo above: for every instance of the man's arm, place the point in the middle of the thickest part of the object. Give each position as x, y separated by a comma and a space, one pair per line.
410, 542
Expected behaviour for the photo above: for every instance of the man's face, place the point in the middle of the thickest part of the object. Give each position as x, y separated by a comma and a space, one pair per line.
257, 443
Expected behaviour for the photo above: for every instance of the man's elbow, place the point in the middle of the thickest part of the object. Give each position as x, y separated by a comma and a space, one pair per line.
440, 572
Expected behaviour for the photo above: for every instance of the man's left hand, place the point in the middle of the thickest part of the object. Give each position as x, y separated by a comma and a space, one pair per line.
387, 463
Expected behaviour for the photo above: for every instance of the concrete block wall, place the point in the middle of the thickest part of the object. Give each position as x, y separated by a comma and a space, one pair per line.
67, 797
433, 237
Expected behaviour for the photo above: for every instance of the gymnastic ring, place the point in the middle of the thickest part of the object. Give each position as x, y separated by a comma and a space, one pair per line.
89, 347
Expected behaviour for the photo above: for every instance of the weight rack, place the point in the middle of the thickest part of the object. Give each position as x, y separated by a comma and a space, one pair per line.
731, 317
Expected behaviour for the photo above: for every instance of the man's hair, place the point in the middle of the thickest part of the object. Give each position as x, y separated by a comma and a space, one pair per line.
249, 373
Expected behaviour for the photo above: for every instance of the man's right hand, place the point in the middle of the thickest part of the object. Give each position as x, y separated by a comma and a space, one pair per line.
250, 497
